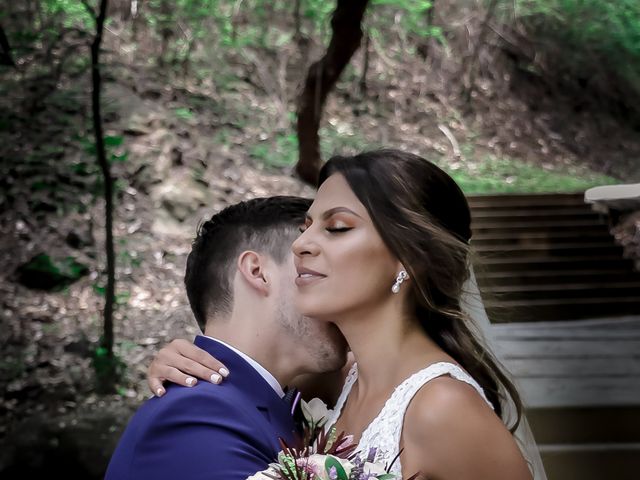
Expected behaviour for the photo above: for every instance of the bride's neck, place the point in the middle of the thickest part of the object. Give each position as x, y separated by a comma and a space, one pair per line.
387, 346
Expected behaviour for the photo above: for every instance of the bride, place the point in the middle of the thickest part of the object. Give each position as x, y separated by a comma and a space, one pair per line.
384, 255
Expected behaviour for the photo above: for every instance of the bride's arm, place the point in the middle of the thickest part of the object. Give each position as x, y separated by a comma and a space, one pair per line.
449, 432
182, 362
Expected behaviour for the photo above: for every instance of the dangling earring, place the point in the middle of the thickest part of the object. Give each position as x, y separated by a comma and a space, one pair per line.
402, 276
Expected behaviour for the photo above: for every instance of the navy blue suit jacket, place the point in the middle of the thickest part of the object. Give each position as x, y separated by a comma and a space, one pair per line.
208, 431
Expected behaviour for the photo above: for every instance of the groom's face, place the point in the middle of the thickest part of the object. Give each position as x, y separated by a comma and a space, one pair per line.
322, 341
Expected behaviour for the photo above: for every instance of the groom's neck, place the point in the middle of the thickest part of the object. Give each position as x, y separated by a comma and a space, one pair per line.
260, 340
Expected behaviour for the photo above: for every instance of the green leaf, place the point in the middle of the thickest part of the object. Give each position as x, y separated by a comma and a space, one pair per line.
332, 462
183, 113
113, 141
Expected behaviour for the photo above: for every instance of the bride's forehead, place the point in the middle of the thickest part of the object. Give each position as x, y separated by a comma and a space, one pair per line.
334, 192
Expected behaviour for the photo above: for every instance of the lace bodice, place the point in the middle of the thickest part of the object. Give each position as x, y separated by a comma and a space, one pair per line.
384, 432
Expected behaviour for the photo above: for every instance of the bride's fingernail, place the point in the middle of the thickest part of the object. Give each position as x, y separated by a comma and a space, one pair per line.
190, 381
160, 392
224, 372
215, 378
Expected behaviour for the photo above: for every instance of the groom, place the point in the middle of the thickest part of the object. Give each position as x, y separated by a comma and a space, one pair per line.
238, 280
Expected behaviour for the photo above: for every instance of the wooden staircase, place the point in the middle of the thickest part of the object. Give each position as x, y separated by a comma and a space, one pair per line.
549, 257
580, 381
565, 305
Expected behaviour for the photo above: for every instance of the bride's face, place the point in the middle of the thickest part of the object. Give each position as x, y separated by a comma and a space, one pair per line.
342, 263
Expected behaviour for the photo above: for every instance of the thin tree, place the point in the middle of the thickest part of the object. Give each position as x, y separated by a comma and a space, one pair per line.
297, 21
471, 66
5, 50
346, 26
107, 340
365, 67
424, 47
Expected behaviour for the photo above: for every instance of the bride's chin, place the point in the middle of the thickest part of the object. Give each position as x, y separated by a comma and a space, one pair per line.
313, 310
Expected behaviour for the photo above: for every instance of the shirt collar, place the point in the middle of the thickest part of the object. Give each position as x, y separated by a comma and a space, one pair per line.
264, 373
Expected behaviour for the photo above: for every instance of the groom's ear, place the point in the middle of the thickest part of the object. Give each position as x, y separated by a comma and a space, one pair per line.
252, 268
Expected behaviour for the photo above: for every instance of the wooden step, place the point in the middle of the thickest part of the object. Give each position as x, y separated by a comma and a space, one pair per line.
559, 264
587, 364
570, 249
522, 229
600, 233
542, 277
591, 462
553, 212
535, 224
580, 382
506, 220
585, 425
568, 291
534, 310
525, 200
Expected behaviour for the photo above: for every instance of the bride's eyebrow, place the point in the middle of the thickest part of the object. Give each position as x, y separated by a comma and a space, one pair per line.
333, 211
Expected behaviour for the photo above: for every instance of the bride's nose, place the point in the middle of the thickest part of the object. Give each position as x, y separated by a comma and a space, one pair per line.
304, 245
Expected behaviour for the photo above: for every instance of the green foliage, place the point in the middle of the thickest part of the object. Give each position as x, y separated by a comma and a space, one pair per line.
45, 272
610, 30
340, 138
183, 113
332, 463
411, 20
109, 369
72, 12
506, 175
413, 15
279, 151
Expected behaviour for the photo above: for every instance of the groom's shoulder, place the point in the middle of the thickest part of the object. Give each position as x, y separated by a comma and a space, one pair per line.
182, 404
207, 396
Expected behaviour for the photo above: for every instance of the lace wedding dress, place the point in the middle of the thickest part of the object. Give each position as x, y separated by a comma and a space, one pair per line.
384, 432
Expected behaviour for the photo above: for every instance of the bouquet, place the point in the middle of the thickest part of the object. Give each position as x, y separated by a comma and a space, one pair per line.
323, 454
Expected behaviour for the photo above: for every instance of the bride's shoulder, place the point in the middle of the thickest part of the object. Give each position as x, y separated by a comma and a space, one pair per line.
445, 403
441, 429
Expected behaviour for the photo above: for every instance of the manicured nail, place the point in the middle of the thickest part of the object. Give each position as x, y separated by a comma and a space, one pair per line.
215, 378
160, 392
190, 381
224, 372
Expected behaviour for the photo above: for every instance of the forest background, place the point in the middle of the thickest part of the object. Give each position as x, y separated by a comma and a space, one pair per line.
123, 123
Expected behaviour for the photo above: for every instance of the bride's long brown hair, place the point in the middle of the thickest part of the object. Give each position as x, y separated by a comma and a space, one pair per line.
424, 219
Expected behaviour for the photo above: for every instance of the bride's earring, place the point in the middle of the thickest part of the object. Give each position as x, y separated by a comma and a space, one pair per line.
402, 276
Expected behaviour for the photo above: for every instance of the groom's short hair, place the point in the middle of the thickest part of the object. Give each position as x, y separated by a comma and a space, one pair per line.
265, 225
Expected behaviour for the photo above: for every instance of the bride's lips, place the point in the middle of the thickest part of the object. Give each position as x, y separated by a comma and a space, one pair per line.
307, 276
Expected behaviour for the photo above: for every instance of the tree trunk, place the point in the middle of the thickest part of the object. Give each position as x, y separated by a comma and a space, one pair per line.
469, 78
5, 50
321, 78
365, 67
297, 21
424, 48
108, 181
135, 19
166, 31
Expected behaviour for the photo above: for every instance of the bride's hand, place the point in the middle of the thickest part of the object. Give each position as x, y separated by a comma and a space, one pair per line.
182, 362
